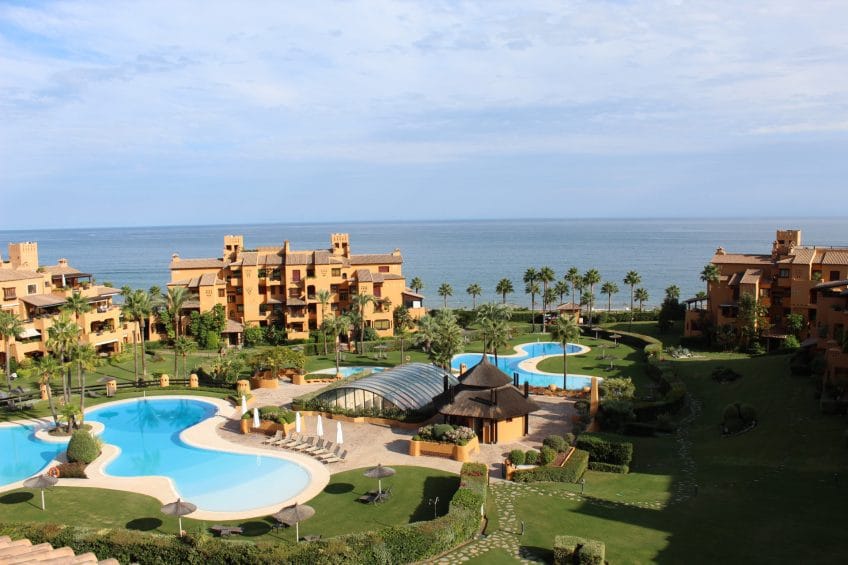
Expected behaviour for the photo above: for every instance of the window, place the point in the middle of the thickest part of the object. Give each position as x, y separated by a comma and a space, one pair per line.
384, 268
343, 296
378, 290
296, 275
9, 293
294, 293
310, 273
220, 293
336, 272
32, 288
240, 308
231, 299
834, 275
382, 324
263, 308
334, 288
784, 273
263, 273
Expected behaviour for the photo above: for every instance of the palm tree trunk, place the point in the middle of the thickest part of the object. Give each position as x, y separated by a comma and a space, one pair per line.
176, 338
135, 350
81, 382
401, 350
503, 295
564, 367
143, 360
533, 311
609, 303
52, 406
630, 326
8, 366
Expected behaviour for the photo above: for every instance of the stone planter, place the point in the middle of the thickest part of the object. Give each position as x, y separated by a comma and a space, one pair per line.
461, 453
245, 426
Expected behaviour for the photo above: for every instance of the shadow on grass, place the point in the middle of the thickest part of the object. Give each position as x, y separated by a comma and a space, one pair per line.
144, 524
338, 488
255, 528
16, 497
442, 488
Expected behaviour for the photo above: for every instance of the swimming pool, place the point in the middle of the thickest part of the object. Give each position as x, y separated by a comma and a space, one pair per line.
147, 432
23, 455
349, 371
509, 364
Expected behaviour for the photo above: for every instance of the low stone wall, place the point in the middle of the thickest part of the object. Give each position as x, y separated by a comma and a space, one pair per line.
302, 380
460, 453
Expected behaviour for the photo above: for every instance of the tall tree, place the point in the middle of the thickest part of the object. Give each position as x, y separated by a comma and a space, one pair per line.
562, 288
63, 336
448, 339
137, 307
545, 276
86, 359
591, 278
183, 346
444, 291
47, 368
632, 278
672, 293
609, 288
339, 325
503, 288
565, 330
323, 297
494, 327
531, 287
174, 302
360, 302
426, 332
416, 285
575, 278
77, 305
10, 327
642, 296
709, 274
474, 290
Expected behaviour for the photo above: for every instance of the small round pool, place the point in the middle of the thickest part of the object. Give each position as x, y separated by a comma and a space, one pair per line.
510, 364
147, 431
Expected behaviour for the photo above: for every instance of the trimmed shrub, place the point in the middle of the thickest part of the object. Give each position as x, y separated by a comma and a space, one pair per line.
603, 449
568, 473
517, 457
548, 454
83, 447
531, 457
724, 375
641, 429
737, 417
72, 470
569, 550
557, 443
439, 430
569, 439
614, 413
608, 467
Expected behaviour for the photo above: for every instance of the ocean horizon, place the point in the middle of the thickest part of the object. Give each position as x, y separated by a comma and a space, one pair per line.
664, 251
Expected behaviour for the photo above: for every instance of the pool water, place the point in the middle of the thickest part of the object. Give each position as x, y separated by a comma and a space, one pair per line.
350, 371
148, 433
22, 455
509, 364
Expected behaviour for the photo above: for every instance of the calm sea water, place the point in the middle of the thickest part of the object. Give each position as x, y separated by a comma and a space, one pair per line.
663, 251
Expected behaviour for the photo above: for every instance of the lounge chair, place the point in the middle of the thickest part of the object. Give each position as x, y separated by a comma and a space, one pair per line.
324, 451
278, 437
224, 531
303, 446
293, 439
335, 459
316, 448
333, 453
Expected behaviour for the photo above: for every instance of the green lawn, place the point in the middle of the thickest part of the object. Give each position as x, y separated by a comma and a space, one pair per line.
337, 511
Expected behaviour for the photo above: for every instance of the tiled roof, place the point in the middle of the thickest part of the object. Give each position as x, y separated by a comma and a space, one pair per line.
43, 300
209, 279
249, 259
751, 276
803, 255
740, 259
18, 275
412, 293
270, 259
363, 275
835, 257
298, 258
61, 270
233, 327
373, 259
22, 551
207, 263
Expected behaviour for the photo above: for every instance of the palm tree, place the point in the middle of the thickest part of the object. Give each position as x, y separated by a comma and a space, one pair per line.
632, 278
86, 359
564, 330
183, 346
360, 301
444, 291
591, 278
174, 301
78, 305
63, 336
337, 325
532, 288
710, 274
323, 297
47, 368
426, 332
448, 339
416, 285
575, 278
474, 290
10, 327
609, 288
403, 321
545, 276
494, 327
641, 296
503, 288
672, 293
137, 307
561, 288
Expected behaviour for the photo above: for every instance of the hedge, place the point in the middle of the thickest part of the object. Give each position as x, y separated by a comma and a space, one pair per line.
608, 467
517, 457
393, 544
571, 472
569, 550
83, 447
603, 449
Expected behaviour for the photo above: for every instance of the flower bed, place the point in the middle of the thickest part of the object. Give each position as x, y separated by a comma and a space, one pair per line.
444, 440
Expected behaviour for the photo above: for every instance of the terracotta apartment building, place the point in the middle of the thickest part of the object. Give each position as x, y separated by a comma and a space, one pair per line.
279, 285
34, 293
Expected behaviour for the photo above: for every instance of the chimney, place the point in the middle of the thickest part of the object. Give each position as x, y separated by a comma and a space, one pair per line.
515, 379
526, 389
175, 258
63, 262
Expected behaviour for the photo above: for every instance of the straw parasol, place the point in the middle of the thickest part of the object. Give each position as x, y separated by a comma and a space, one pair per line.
379, 472
256, 422
596, 329
339, 436
243, 404
297, 422
179, 509
294, 514
319, 428
615, 337
41, 482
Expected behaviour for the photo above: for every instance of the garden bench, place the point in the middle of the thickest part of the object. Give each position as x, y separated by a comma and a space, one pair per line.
224, 531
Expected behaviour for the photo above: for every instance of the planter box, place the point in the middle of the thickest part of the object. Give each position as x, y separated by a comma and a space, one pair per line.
267, 427
461, 453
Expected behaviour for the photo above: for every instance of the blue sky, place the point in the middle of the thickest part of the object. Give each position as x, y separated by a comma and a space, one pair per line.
221, 112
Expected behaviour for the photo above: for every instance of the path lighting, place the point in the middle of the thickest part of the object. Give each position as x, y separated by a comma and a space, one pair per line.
435, 503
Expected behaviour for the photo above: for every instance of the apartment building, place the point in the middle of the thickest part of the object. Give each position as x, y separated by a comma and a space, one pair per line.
830, 336
281, 286
35, 294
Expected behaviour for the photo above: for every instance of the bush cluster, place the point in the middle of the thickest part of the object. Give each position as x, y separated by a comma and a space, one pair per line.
446, 433
72, 470
83, 447
571, 472
559, 443
737, 417
547, 455
531, 457
570, 550
608, 467
516, 456
615, 413
276, 414
724, 375
603, 449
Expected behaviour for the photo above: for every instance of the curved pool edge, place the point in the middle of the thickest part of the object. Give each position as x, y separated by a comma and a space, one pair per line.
202, 435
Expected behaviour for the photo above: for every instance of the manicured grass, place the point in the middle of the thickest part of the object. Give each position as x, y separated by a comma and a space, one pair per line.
337, 511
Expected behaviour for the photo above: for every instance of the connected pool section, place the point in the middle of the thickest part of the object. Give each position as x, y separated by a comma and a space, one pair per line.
350, 371
147, 431
23, 455
509, 364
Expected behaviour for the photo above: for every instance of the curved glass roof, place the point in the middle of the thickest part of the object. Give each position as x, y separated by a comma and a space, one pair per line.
409, 387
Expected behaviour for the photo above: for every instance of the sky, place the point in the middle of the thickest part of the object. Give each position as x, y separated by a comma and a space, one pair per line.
162, 113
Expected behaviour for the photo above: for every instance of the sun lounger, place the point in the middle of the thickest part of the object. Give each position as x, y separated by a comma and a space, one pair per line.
309, 443
315, 449
333, 453
276, 439
293, 439
224, 531
334, 458
327, 449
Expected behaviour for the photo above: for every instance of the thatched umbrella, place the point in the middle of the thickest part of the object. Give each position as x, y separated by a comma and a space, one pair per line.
41, 482
179, 509
597, 329
379, 472
615, 337
294, 514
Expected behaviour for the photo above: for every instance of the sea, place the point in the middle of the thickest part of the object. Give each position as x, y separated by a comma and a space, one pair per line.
458, 252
